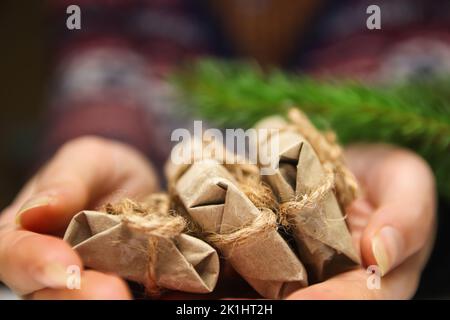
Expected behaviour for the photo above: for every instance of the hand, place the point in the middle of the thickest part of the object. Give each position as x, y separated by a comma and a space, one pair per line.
85, 173
393, 225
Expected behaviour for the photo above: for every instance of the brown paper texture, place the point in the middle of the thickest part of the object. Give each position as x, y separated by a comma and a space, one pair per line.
213, 200
107, 244
323, 240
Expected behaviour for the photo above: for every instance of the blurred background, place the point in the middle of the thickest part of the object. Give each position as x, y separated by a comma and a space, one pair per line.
22, 83
27, 59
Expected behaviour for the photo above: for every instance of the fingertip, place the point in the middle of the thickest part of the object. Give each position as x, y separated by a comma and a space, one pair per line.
50, 212
367, 255
387, 248
31, 207
382, 243
43, 220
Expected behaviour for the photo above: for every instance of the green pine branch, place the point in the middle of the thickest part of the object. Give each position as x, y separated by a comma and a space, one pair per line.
415, 114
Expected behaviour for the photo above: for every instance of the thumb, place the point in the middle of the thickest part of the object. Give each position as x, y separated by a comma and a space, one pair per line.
403, 192
81, 174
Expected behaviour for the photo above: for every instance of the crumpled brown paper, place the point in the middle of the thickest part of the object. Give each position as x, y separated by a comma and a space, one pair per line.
304, 188
137, 248
245, 235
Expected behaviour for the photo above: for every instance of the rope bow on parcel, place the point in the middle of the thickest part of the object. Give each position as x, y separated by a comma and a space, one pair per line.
151, 217
331, 156
249, 182
336, 176
289, 209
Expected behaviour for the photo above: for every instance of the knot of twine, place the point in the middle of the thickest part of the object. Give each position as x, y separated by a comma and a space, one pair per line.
262, 197
331, 156
289, 209
153, 218
262, 224
249, 182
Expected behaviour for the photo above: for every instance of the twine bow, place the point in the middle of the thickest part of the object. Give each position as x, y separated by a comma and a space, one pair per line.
290, 209
151, 217
331, 156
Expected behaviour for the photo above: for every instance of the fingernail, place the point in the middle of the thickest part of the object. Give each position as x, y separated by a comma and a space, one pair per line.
52, 275
386, 248
30, 204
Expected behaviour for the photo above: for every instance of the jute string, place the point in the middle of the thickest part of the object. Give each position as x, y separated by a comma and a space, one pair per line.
336, 176
289, 210
248, 179
331, 156
261, 196
260, 226
153, 218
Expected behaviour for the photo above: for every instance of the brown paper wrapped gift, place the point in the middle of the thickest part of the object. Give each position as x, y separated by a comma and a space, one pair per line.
304, 185
151, 250
245, 235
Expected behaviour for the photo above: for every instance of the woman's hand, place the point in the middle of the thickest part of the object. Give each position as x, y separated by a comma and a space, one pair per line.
393, 225
85, 173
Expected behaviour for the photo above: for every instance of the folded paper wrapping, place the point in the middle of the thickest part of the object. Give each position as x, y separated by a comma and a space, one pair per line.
113, 243
305, 190
246, 236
